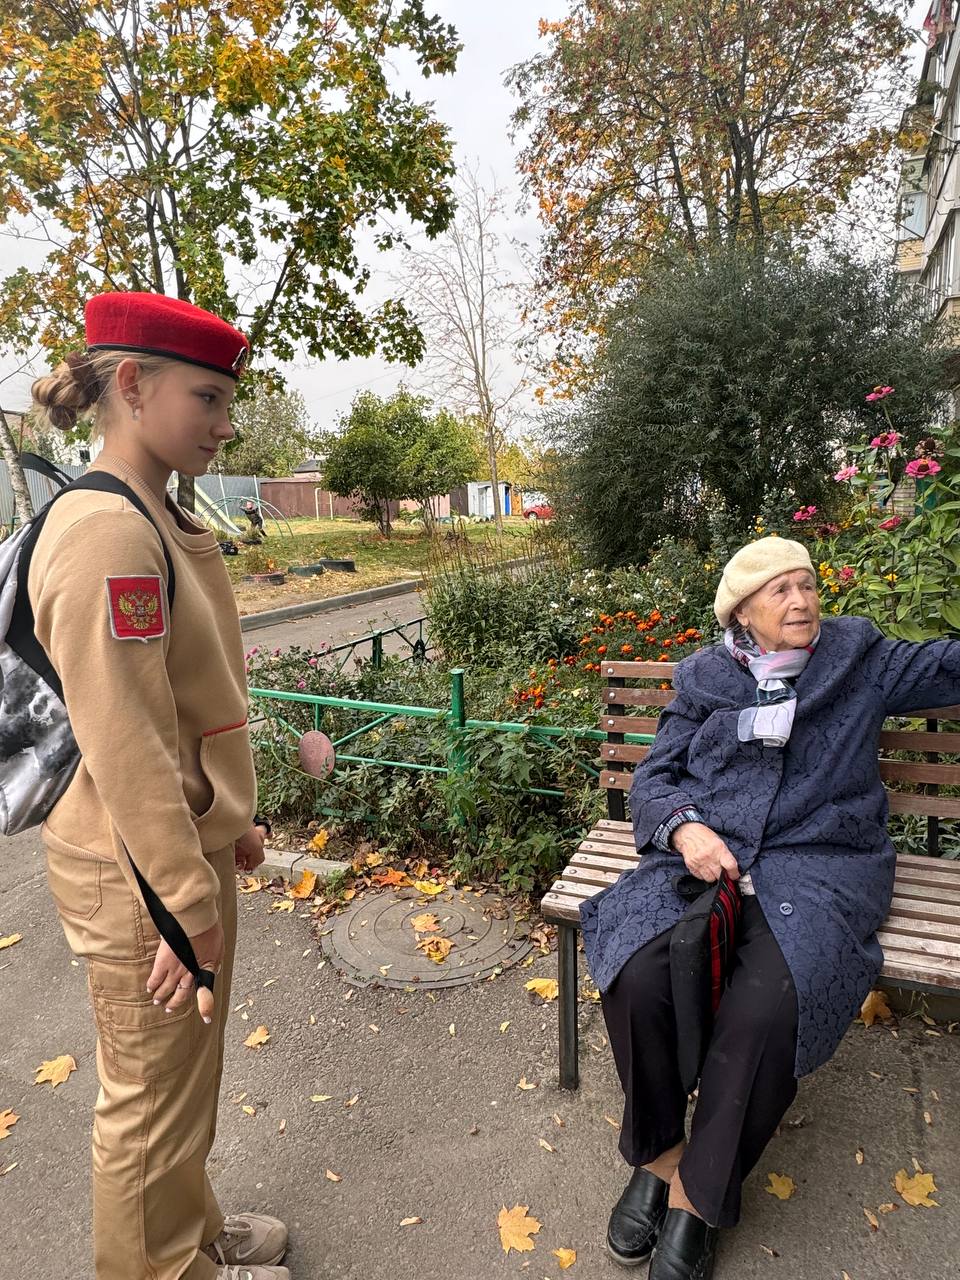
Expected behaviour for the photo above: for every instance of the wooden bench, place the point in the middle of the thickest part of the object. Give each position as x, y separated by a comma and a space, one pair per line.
921, 936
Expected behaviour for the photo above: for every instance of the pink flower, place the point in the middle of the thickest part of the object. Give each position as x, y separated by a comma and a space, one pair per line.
886, 440
311, 662
891, 523
921, 467
846, 573
847, 473
805, 513
827, 530
879, 393
301, 684
276, 653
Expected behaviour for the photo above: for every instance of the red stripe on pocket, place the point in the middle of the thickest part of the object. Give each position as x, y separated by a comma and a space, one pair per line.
209, 733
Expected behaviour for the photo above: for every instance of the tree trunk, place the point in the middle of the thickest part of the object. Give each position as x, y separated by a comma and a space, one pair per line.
426, 510
492, 459
18, 482
186, 492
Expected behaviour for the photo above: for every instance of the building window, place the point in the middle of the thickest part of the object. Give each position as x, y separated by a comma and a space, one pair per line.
939, 275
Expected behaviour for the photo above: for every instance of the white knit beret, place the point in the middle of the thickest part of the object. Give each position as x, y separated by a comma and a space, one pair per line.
753, 565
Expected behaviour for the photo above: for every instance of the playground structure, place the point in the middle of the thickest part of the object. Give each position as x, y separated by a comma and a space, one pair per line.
218, 513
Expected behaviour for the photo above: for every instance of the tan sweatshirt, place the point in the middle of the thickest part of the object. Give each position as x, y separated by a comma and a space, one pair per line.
161, 723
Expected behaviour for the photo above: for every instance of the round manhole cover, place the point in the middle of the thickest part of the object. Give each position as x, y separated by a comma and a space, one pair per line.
388, 938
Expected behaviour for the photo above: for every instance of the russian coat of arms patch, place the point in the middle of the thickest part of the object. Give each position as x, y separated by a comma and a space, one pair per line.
136, 608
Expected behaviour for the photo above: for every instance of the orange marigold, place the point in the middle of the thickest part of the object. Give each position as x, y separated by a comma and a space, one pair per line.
601, 649
626, 648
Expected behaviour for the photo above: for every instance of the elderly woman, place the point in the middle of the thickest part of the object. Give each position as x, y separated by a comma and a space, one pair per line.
763, 767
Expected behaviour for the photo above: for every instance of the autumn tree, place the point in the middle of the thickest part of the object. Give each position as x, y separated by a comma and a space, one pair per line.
732, 383
227, 153
396, 448
654, 127
274, 435
468, 306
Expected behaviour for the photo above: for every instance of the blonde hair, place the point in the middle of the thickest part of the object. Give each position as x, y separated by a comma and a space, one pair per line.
82, 385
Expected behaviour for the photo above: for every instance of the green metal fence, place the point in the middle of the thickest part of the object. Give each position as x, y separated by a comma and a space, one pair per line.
414, 637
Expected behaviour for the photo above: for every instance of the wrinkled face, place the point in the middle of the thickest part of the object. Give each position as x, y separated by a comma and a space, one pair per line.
182, 415
784, 613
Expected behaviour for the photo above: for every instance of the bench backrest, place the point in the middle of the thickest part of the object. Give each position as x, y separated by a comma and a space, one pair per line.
633, 687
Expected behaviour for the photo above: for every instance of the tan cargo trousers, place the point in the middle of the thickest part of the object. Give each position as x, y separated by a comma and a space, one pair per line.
154, 1208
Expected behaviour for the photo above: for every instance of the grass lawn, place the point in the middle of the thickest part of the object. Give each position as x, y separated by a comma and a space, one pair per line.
379, 560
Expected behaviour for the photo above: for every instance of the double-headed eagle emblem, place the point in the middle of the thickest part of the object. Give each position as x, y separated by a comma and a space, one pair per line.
139, 608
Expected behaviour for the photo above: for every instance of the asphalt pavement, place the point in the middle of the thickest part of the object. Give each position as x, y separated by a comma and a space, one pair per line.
440, 1129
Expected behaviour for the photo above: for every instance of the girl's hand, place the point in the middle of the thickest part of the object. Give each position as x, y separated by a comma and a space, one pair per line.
704, 852
248, 850
172, 985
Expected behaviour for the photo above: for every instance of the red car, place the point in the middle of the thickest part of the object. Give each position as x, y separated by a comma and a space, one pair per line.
539, 511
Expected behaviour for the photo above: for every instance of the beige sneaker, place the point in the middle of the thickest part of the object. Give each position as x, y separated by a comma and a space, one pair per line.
253, 1273
249, 1240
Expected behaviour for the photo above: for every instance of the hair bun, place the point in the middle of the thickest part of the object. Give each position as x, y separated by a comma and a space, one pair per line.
84, 374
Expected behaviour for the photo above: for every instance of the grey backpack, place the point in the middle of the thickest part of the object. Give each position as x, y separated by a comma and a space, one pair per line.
38, 752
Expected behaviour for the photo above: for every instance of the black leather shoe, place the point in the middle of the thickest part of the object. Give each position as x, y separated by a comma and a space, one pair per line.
636, 1219
686, 1248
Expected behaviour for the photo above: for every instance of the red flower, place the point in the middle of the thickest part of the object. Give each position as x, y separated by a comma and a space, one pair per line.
891, 523
601, 649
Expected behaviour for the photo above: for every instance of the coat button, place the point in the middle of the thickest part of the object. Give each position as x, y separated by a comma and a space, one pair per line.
786, 908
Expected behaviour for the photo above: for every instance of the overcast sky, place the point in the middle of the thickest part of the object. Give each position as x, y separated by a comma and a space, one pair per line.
476, 106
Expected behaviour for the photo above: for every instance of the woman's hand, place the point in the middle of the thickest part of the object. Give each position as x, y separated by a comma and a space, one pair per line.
248, 850
172, 985
704, 852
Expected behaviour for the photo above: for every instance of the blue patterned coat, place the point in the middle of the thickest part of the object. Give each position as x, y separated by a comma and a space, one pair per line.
807, 820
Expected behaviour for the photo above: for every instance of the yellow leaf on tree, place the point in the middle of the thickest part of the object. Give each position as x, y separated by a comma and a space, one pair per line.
305, 886
435, 949
319, 841
916, 1190
428, 887
875, 1008
256, 1038
565, 1257
7, 1120
10, 940
545, 988
781, 1186
426, 922
56, 1071
516, 1228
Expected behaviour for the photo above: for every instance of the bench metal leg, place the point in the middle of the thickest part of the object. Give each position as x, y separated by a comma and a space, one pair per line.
569, 1031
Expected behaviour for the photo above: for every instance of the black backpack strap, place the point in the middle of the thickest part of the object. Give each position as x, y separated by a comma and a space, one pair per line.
21, 634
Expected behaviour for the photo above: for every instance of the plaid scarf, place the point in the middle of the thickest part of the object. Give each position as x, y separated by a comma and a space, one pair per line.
771, 720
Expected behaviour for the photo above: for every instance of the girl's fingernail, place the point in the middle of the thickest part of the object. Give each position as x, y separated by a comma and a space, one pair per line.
156, 1002
208, 1021
168, 1011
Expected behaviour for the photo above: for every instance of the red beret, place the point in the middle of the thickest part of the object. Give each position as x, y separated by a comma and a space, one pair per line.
155, 325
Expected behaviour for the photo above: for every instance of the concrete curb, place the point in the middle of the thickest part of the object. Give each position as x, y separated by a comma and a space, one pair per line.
254, 621
291, 865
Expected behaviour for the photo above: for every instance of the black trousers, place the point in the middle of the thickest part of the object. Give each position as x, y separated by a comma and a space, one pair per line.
747, 1082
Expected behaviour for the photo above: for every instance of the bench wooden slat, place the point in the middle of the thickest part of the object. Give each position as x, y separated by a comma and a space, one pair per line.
623, 751
616, 781
640, 670
934, 879
927, 946
628, 724
639, 697
602, 855
921, 971
947, 775
924, 909
925, 806
935, 713
921, 928
919, 740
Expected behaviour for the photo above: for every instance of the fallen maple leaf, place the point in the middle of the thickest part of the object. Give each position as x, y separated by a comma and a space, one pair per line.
887, 1208
319, 841
435, 949
283, 904
916, 1190
56, 1071
875, 1008
428, 887
523, 1083
545, 988
781, 1185
332, 1177
373, 859
251, 884
7, 1120
872, 1219
305, 886
256, 1038
425, 922
410, 1222
248, 1111
10, 941
565, 1257
546, 1145
516, 1228
391, 879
